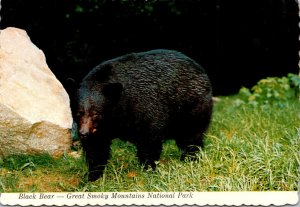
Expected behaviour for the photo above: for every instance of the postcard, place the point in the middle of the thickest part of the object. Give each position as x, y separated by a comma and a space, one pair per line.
107, 102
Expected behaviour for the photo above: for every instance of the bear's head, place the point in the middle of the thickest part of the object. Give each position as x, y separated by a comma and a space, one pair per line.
98, 95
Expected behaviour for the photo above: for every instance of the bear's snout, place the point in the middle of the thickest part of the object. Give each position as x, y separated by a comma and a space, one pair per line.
86, 127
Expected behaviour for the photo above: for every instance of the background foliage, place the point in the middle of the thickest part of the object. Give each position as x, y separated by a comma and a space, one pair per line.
237, 42
272, 90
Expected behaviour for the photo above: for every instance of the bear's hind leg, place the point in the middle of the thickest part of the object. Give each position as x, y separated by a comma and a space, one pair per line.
190, 146
149, 151
189, 137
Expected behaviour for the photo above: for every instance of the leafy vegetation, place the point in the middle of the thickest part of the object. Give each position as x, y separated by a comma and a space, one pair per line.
272, 90
251, 145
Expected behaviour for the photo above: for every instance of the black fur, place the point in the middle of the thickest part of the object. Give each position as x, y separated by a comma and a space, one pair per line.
144, 98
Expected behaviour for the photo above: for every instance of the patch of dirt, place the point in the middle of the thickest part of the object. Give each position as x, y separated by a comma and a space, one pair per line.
48, 182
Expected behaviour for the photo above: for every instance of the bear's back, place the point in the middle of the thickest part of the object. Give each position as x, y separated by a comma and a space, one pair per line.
159, 70
156, 76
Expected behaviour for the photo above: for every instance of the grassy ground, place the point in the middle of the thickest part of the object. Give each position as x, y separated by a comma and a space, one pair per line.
246, 149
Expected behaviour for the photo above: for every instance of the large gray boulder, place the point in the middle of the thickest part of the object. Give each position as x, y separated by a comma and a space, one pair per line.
35, 114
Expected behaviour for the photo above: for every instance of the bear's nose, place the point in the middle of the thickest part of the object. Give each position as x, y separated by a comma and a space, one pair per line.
83, 131
85, 126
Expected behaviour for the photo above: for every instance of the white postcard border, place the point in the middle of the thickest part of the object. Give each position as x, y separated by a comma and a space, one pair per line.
151, 198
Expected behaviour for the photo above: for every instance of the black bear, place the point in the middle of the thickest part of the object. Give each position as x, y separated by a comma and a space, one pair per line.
144, 98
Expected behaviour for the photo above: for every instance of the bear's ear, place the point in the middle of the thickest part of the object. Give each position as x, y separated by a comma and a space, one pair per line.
113, 91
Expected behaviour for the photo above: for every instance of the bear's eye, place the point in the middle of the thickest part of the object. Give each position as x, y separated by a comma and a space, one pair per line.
95, 116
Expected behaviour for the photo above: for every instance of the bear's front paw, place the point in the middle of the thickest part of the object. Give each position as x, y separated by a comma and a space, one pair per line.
94, 175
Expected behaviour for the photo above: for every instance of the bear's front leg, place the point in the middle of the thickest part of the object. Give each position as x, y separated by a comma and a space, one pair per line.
97, 154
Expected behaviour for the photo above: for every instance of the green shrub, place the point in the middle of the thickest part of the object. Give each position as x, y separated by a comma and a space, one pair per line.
272, 90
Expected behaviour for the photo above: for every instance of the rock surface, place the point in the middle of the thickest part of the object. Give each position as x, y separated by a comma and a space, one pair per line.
35, 114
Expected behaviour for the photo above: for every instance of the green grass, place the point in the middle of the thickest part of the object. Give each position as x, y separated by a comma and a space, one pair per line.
247, 148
